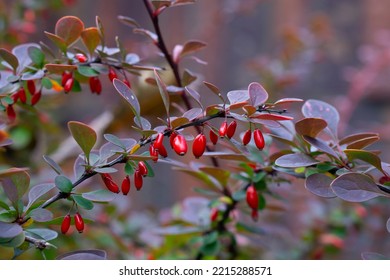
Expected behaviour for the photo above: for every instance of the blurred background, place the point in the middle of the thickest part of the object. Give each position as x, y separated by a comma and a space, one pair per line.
334, 50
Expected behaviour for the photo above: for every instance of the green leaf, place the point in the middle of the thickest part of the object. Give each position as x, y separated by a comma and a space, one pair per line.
59, 42
105, 170
9, 231
366, 156
14, 242
9, 216
310, 126
15, 182
42, 233
82, 202
87, 71
239, 195
91, 38
321, 146
36, 55
69, 29
222, 175
46, 83
114, 140
63, 184
84, 135
211, 245
163, 92
11, 59
99, 196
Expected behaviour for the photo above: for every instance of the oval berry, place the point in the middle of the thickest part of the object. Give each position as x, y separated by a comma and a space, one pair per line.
109, 182
251, 197
11, 114
214, 214
153, 153
223, 129
172, 137
22, 95
31, 87
143, 169
80, 57
159, 141
68, 85
112, 74
259, 139
231, 129
199, 145
180, 145
247, 137
125, 185
35, 98
162, 151
79, 222
138, 181
255, 215
65, 77
213, 137
65, 225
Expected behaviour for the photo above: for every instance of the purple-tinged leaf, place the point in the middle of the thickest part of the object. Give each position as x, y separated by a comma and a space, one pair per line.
285, 101
69, 29
53, 164
43, 233
356, 187
32, 75
132, 58
21, 52
84, 135
143, 123
295, 160
195, 95
36, 192
310, 126
214, 89
237, 96
257, 94
163, 92
128, 95
106, 170
176, 122
319, 184
188, 77
84, 255
319, 109
15, 182
11, 59
41, 215
356, 137
191, 47
193, 113
271, 117
59, 68
147, 33
9, 231
321, 146
114, 140
366, 156
128, 21
362, 143
99, 196
370, 256
174, 89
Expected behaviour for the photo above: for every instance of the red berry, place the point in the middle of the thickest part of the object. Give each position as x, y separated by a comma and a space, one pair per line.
153, 153
68, 85
143, 169
223, 129
126, 82
95, 85
35, 98
65, 225
162, 151
213, 137
80, 57
22, 95
11, 114
112, 74
65, 77
109, 182
251, 197
79, 222
247, 137
15, 96
159, 140
231, 129
138, 181
31, 87
199, 145
172, 137
125, 185
259, 139
180, 145
213, 214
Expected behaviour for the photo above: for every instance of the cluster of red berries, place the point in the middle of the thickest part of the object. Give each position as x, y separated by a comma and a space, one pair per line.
139, 173
78, 222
